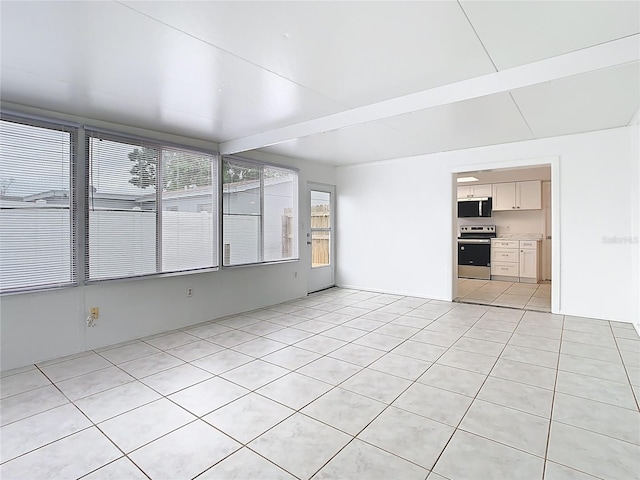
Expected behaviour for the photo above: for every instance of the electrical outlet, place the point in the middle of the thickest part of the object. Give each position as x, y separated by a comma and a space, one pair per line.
94, 312
189, 292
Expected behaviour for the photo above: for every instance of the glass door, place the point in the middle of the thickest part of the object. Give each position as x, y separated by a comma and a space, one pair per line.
320, 237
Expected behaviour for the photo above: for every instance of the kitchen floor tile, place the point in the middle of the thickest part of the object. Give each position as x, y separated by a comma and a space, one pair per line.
34, 432
29, 403
73, 368
592, 453
255, 374
377, 385
360, 460
177, 378
289, 336
66, 458
330, 370
300, 445
207, 396
222, 361
320, 344
294, 390
129, 352
474, 362
409, 436
519, 396
344, 410
123, 468
291, 357
134, 429
184, 453
443, 406
145, 366
259, 347
243, 465
555, 471
22, 382
593, 388
525, 373
508, 426
400, 366
248, 417
194, 350
617, 422
357, 354
470, 457
94, 382
453, 379
108, 404
368, 373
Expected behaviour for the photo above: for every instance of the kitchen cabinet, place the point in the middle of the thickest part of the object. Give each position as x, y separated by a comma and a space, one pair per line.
529, 261
517, 195
474, 191
515, 260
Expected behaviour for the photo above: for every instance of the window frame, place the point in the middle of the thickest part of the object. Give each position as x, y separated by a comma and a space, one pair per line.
159, 146
80, 135
74, 159
295, 203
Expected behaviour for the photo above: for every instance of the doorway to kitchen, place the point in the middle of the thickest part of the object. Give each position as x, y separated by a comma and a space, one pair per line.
504, 242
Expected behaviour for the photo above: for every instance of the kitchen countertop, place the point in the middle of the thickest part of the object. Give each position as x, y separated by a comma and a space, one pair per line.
520, 236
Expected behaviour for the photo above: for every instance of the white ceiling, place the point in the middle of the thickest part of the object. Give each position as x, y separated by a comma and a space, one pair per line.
337, 82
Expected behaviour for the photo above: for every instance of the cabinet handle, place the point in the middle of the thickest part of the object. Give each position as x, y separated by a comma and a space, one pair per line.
518, 206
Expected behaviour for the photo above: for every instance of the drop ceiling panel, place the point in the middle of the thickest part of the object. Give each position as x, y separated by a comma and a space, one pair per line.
593, 101
482, 121
520, 32
356, 53
103, 60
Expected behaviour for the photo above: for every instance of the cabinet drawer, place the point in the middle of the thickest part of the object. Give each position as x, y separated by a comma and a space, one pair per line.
505, 243
506, 269
528, 244
504, 255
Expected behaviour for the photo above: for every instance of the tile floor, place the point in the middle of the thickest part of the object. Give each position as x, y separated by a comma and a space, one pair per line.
528, 296
342, 384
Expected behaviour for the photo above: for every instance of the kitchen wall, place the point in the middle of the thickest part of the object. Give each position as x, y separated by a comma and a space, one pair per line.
508, 223
42, 325
397, 226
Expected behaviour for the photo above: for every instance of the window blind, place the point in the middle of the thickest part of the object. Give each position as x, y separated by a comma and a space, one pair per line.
259, 213
36, 185
151, 209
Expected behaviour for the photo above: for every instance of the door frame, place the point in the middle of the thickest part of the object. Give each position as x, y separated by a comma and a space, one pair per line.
321, 278
556, 241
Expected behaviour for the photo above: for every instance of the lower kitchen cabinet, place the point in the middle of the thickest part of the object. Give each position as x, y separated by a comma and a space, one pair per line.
515, 260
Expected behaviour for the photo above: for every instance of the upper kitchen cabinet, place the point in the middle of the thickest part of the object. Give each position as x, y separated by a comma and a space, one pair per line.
517, 195
474, 191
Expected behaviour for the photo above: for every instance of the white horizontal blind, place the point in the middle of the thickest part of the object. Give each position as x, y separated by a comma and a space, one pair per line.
36, 238
189, 210
259, 213
151, 209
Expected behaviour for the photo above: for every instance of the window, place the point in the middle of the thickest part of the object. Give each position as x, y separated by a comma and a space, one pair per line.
143, 208
259, 213
36, 239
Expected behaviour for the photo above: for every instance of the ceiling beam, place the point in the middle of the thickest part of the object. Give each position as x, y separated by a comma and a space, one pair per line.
606, 55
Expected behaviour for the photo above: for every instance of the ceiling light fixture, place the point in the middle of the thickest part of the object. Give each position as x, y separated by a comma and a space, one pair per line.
466, 179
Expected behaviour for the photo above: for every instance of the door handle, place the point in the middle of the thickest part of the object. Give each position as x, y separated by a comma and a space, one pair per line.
548, 237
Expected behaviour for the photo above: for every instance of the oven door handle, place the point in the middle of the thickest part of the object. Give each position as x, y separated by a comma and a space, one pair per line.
473, 240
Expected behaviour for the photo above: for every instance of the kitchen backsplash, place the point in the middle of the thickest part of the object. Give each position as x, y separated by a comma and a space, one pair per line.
529, 223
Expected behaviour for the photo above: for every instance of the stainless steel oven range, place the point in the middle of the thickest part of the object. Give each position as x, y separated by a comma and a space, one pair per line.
474, 251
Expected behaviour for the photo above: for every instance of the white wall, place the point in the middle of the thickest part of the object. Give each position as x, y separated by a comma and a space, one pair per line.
42, 325
396, 220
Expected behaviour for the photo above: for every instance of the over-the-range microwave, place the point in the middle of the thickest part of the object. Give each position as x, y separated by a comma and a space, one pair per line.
474, 207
